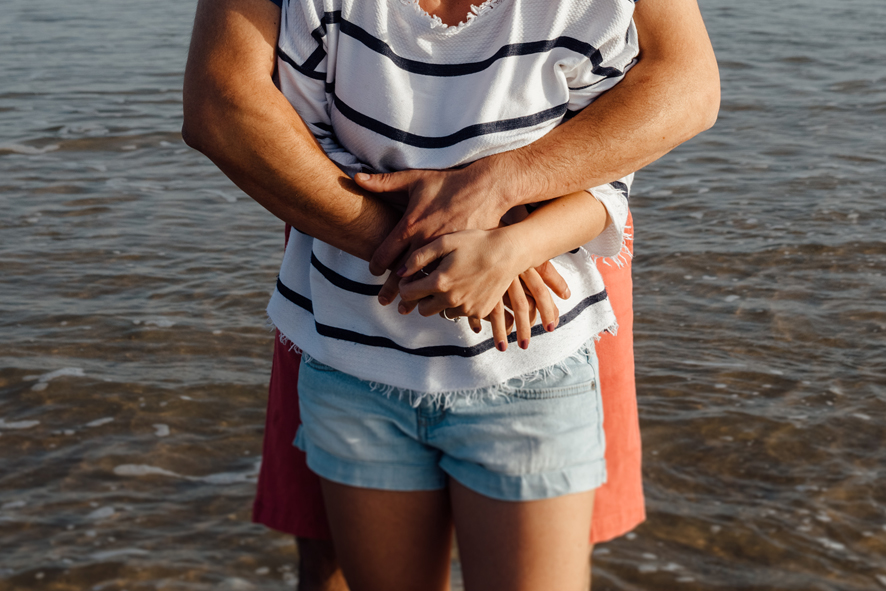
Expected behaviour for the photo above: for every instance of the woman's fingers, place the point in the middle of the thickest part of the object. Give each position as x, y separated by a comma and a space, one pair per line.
550, 315
424, 256
406, 307
434, 305
509, 321
553, 280
475, 324
499, 330
520, 307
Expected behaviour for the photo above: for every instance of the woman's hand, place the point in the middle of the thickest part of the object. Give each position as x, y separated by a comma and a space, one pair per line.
476, 269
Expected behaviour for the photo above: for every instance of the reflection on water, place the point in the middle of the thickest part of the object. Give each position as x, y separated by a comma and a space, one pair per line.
134, 354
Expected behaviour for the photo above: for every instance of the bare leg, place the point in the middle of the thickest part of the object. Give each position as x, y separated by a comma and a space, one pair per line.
390, 541
523, 546
318, 568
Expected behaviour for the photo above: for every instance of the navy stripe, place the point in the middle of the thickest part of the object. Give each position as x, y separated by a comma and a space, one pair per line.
301, 69
351, 336
466, 133
296, 298
314, 60
343, 282
329, 18
324, 126
623, 188
445, 70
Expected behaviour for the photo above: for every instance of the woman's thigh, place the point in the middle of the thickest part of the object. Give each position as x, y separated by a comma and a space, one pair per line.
523, 546
391, 540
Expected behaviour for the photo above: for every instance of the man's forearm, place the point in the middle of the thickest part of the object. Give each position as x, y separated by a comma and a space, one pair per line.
241, 121
669, 96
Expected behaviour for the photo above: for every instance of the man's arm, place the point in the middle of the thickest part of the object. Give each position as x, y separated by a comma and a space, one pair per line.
669, 96
236, 116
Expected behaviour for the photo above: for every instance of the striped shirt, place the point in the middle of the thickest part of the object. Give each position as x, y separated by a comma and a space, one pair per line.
384, 86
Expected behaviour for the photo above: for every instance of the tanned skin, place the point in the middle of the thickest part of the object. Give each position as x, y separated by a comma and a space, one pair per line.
236, 116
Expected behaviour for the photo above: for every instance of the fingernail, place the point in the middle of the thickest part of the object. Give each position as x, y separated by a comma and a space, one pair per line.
476, 329
383, 301
568, 294
401, 271
524, 344
551, 326
401, 308
501, 346
362, 176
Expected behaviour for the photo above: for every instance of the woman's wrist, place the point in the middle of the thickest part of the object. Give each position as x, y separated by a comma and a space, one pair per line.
520, 247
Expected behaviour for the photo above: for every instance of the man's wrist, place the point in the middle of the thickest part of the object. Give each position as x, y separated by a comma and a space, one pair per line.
516, 177
482, 178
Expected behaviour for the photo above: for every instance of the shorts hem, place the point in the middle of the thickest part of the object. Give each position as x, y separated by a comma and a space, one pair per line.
527, 487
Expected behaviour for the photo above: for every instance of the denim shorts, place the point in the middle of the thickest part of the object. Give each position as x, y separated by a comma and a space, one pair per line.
543, 438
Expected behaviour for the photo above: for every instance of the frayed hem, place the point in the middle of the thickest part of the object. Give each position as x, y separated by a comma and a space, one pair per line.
445, 400
284, 340
624, 256
293, 348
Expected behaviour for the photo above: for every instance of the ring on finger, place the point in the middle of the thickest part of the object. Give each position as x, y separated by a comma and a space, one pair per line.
446, 316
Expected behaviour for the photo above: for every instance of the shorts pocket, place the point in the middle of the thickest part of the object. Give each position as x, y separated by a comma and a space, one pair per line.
571, 377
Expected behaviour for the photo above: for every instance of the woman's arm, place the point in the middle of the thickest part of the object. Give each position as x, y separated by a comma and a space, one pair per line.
477, 267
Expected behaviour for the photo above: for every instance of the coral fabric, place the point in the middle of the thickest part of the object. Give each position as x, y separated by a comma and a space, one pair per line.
288, 497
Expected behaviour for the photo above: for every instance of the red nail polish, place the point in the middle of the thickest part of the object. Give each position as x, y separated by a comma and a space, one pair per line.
501, 346
524, 344
476, 329
551, 326
401, 271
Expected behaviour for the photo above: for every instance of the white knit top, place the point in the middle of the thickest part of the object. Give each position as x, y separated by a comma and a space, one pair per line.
384, 87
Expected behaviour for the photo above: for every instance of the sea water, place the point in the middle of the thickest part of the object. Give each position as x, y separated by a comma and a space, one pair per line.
134, 355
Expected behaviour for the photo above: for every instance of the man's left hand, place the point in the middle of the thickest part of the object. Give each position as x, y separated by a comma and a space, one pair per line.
440, 202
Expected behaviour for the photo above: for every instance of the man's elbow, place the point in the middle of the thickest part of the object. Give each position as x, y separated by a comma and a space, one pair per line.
205, 114
707, 105
197, 125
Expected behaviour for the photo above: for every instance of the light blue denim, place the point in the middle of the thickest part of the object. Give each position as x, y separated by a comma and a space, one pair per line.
542, 439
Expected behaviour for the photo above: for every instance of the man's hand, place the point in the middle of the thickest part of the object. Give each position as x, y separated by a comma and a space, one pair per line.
440, 202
